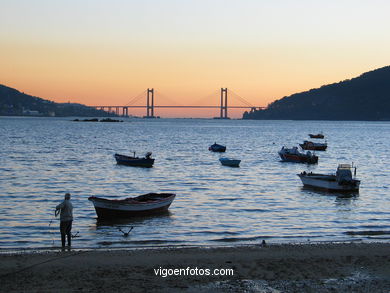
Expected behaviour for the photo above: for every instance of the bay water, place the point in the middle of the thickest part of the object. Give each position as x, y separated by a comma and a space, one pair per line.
42, 158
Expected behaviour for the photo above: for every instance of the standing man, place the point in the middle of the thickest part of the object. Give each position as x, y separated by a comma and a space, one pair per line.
66, 217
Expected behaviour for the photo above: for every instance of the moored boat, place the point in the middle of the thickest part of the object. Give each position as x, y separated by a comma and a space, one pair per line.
313, 146
134, 161
217, 148
230, 162
293, 155
142, 205
318, 135
341, 181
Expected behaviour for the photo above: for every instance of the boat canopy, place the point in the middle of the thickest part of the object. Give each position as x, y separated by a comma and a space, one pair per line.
344, 174
344, 166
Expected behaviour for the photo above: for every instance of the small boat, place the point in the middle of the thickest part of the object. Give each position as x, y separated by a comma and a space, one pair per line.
341, 181
217, 148
142, 205
293, 155
146, 161
230, 162
318, 135
313, 146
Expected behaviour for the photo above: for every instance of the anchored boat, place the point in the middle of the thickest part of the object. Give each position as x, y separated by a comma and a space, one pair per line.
142, 205
341, 181
230, 162
134, 161
313, 146
293, 155
217, 148
318, 135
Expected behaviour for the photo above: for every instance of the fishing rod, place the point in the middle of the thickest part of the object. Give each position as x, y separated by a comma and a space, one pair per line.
51, 233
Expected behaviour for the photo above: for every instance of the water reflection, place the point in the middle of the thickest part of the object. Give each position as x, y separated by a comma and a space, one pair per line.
329, 193
342, 201
133, 221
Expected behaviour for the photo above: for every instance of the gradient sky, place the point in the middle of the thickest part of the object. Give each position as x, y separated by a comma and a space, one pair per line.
108, 52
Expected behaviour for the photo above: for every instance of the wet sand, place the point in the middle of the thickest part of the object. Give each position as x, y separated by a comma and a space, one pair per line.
327, 267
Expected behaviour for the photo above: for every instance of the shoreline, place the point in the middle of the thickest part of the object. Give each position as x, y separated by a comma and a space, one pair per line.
314, 267
43, 249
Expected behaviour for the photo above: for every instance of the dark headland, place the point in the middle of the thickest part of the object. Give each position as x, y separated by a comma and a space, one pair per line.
16, 103
366, 97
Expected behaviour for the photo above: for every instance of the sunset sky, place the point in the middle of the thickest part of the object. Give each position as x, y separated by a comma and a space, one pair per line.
108, 52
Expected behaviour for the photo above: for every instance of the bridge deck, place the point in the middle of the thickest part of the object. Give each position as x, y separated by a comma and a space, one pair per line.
173, 106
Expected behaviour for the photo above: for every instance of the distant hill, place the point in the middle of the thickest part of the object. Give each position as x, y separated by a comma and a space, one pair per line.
15, 103
366, 97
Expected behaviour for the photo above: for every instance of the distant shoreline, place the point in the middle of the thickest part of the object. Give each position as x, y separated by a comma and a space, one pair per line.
189, 118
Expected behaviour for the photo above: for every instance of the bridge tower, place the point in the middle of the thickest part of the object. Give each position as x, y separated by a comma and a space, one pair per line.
150, 104
224, 107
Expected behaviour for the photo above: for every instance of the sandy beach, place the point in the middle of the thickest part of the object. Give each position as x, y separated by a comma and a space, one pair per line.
326, 267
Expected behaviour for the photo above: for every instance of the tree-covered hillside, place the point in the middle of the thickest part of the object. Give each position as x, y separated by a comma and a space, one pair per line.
15, 103
366, 97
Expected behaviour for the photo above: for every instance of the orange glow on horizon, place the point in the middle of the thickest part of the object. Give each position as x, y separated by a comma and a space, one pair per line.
108, 53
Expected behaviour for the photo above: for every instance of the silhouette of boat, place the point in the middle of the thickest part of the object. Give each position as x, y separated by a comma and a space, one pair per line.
230, 162
134, 161
313, 146
143, 205
341, 181
318, 135
293, 155
217, 148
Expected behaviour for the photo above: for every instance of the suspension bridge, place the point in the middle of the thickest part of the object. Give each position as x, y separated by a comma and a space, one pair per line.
150, 106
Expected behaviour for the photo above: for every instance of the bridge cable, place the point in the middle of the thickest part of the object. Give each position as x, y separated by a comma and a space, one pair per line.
166, 99
136, 99
211, 95
235, 95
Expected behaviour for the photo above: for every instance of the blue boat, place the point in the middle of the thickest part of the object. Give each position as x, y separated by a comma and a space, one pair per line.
134, 161
217, 148
230, 162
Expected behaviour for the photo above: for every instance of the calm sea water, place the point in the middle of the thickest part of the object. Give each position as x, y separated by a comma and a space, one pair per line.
42, 158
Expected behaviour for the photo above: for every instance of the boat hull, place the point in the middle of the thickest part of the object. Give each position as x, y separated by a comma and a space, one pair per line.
106, 213
111, 209
217, 148
328, 182
230, 162
298, 158
134, 162
313, 147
